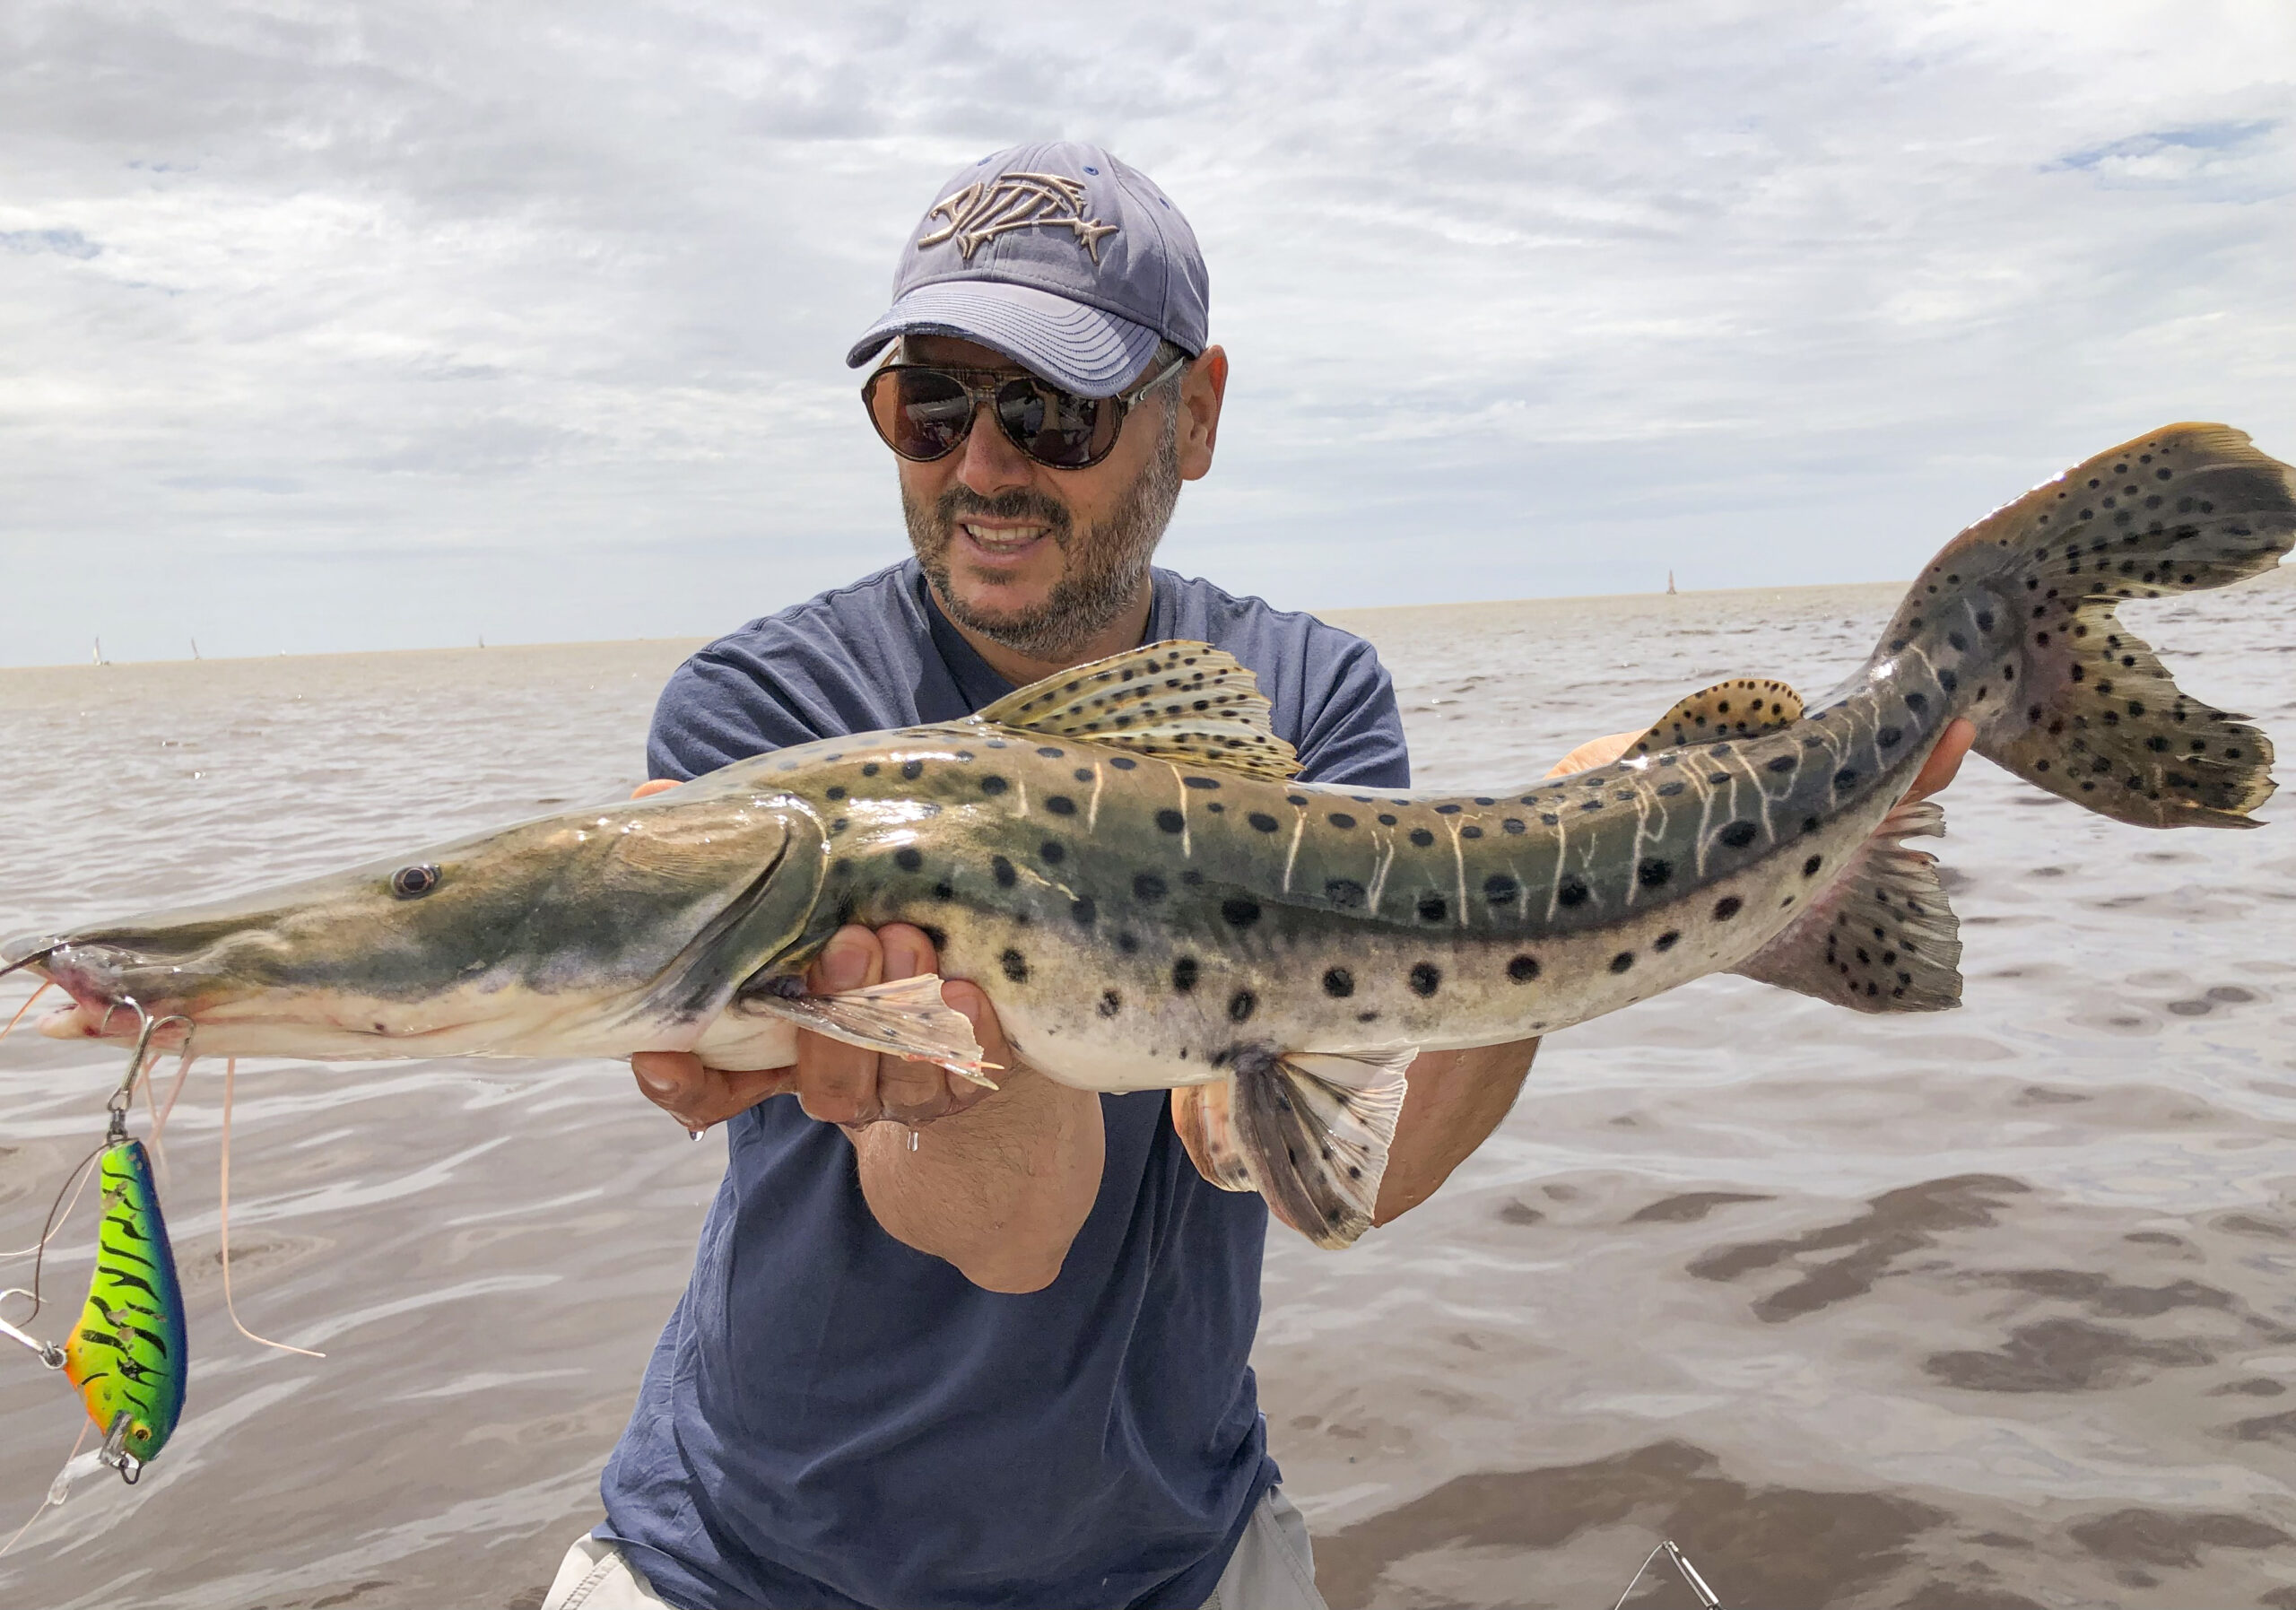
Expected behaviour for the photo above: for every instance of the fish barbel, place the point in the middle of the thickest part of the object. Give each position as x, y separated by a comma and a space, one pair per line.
1121, 858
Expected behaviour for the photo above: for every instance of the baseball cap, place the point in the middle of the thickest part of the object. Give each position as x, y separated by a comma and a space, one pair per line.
1068, 261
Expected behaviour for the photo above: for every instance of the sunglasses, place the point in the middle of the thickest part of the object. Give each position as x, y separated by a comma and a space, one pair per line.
923, 411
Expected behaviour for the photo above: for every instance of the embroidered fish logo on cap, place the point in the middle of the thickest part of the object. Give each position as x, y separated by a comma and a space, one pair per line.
988, 208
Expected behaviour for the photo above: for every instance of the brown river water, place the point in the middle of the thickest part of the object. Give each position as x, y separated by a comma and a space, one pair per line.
1983, 1309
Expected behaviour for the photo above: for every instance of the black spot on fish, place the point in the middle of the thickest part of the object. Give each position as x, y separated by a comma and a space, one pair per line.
1846, 779
1060, 804
1261, 820
944, 891
1122, 762
1339, 983
1083, 910
1426, 978
1111, 1003
1241, 1005
1184, 971
1572, 891
1666, 941
1888, 736
909, 859
1148, 886
1050, 753
1002, 870
1239, 911
1654, 872
871, 770
1345, 894
1623, 960
1421, 837
1784, 762
1433, 908
912, 770
1522, 969
1917, 703
1727, 907
1810, 867
1500, 889
1015, 966
1082, 774
1513, 824
834, 793
1054, 851
1201, 782
1171, 821
1738, 834
1446, 810
1342, 819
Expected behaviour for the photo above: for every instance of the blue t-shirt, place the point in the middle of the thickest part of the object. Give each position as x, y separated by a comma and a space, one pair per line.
832, 1418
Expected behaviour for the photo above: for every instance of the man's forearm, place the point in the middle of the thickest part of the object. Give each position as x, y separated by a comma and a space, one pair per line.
1454, 1101
999, 1190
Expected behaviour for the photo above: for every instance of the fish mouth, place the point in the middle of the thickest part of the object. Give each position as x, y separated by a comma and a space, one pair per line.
112, 992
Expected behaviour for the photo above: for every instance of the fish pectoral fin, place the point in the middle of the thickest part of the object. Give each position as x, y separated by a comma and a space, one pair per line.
1737, 708
907, 1017
1309, 1130
1881, 937
1178, 700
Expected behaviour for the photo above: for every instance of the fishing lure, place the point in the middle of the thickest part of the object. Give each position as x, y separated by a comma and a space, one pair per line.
129, 1355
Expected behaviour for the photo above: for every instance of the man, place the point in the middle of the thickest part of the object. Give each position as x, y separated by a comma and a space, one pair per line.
1009, 1366
945, 1346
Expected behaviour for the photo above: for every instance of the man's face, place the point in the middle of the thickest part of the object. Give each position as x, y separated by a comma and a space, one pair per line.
1037, 559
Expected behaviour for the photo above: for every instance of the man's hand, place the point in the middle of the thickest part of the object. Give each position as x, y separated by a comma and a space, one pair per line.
834, 1081
1944, 761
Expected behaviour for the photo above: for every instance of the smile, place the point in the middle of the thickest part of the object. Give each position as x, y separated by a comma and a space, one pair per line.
1003, 541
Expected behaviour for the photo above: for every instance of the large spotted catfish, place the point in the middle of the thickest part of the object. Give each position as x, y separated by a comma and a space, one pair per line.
1117, 855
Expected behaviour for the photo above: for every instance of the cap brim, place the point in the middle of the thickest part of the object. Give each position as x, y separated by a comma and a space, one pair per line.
1079, 348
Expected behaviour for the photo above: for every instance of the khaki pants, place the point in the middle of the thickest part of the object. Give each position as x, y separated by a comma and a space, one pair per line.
1272, 1569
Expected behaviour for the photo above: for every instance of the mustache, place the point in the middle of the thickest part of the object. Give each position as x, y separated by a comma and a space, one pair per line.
1021, 503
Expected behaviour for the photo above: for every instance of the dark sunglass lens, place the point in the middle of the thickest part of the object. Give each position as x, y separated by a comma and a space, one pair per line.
919, 413
1055, 427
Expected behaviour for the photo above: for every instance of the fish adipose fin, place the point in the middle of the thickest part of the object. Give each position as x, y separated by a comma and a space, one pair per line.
1737, 708
2086, 710
1308, 1130
1176, 700
1880, 937
907, 1017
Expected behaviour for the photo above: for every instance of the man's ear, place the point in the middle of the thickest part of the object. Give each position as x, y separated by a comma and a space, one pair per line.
1203, 387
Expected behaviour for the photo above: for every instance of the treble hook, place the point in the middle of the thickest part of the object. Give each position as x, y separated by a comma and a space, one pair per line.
124, 1097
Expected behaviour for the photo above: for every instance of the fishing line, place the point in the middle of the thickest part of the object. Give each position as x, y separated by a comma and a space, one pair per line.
37, 1250
56, 1490
224, 1194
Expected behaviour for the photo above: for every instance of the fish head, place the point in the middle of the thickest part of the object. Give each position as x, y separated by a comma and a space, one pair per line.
574, 932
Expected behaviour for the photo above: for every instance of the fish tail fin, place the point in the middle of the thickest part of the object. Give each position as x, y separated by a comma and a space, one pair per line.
1308, 1130
2077, 704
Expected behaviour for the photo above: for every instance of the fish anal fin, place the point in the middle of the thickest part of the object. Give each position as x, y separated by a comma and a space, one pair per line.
1309, 1130
1737, 708
1178, 700
906, 1017
1881, 937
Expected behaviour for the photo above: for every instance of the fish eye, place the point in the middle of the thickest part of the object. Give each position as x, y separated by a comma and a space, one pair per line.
411, 883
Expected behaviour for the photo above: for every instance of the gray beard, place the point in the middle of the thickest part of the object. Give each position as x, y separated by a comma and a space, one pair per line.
1107, 566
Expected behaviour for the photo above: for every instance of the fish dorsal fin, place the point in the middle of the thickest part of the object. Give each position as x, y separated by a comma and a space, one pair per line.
1737, 708
1178, 700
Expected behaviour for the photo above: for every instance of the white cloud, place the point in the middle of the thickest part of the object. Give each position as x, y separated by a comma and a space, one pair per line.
332, 327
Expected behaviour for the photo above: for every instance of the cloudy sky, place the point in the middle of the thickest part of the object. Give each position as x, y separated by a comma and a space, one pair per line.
330, 326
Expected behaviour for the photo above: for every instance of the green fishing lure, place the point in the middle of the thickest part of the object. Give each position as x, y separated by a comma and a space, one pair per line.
128, 1354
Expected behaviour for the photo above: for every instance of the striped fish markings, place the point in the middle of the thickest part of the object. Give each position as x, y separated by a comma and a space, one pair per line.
1120, 857
128, 1356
